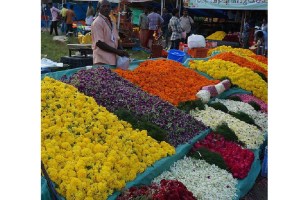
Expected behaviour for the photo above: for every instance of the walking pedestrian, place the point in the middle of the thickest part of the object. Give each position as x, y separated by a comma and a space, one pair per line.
69, 19
55, 15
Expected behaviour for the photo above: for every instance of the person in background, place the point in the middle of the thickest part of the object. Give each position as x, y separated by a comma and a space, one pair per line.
186, 23
54, 13
155, 22
166, 17
105, 37
69, 19
262, 43
175, 27
238, 16
63, 13
264, 26
89, 14
144, 27
128, 14
246, 34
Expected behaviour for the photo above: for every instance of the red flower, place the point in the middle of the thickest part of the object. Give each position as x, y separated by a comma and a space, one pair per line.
237, 159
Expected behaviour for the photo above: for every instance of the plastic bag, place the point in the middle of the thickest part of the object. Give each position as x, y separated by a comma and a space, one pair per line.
87, 38
123, 62
204, 95
220, 88
47, 63
195, 41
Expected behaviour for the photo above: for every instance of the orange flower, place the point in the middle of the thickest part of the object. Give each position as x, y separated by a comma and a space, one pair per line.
169, 80
243, 62
260, 58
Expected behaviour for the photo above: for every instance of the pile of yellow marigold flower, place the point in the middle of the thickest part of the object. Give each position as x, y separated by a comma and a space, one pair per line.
218, 35
87, 151
243, 77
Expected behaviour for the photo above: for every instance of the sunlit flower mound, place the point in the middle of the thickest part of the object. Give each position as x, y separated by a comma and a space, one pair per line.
86, 150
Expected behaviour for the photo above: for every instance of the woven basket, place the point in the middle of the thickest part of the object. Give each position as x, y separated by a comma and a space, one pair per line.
198, 52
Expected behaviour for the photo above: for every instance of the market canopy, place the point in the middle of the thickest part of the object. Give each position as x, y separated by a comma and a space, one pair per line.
227, 4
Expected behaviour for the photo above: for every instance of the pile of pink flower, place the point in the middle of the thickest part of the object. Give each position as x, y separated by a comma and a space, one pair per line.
237, 159
167, 189
247, 98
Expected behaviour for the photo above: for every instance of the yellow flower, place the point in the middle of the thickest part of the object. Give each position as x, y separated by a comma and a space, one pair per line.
243, 77
218, 35
87, 148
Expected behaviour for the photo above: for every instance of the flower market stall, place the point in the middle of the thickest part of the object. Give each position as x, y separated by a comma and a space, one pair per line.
160, 130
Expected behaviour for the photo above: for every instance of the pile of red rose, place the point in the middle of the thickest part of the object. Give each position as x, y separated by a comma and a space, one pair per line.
166, 190
237, 159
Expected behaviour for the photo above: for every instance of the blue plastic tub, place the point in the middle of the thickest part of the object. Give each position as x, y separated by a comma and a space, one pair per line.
176, 55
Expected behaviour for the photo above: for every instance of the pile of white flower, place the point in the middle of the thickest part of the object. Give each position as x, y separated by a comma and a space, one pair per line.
250, 135
260, 118
205, 181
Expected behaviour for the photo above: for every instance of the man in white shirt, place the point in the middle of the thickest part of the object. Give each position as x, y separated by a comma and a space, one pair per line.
186, 23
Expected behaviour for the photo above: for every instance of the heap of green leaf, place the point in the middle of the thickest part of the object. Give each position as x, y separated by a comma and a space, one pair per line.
142, 124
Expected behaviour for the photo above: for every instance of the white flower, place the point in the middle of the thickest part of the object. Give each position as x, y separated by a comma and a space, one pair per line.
248, 134
260, 118
205, 181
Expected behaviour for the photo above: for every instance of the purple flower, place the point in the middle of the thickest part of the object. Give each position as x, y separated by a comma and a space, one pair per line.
114, 92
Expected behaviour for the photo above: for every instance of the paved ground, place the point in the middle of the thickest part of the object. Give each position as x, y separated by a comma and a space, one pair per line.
259, 190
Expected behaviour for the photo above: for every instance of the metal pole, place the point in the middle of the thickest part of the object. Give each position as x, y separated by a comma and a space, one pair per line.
161, 7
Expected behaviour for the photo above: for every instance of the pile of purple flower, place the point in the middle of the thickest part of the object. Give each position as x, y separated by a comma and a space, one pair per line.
114, 92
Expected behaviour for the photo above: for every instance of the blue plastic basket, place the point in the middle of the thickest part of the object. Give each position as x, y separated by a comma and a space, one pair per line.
176, 55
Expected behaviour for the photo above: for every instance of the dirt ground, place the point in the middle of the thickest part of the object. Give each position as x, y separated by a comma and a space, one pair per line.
259, 190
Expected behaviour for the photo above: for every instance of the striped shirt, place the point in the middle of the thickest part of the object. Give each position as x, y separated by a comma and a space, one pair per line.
174, 25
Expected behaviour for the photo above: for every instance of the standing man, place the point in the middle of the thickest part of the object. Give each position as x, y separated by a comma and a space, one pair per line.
144, 27
54, 13
69, 19
155, 22
166, 17
186, 23
89, 14
246, 34
105, 37
63, 13
175, 27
